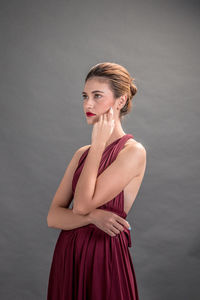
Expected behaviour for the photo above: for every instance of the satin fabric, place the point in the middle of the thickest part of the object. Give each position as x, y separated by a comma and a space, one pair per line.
89, 264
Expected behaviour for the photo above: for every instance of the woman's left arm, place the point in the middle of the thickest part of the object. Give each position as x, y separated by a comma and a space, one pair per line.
92, 191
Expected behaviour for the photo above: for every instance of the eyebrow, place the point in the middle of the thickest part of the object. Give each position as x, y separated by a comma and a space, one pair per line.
93, 92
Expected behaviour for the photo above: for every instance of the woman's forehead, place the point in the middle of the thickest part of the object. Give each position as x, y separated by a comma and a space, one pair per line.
96, 84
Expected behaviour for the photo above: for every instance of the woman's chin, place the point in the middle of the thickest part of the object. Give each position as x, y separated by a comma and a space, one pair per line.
91, 120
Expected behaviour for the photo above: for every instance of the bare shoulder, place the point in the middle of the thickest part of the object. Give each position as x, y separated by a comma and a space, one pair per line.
134, 147
79, 152
133, 155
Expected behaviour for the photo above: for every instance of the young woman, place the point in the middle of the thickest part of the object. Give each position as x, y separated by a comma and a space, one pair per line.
91, 259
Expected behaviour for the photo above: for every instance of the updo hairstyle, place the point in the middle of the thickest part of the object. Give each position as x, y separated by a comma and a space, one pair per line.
119, 80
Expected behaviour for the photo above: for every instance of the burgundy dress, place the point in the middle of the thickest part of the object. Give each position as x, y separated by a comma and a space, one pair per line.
88, 263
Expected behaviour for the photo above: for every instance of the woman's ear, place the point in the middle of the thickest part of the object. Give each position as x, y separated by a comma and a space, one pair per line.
122, 101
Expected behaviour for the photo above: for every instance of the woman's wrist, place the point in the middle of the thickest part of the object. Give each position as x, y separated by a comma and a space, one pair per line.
100, 146
90, 217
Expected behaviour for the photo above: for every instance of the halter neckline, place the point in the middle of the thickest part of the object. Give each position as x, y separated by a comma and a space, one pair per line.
106, 148
116, 141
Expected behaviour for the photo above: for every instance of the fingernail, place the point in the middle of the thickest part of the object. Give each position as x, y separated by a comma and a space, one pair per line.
129, 228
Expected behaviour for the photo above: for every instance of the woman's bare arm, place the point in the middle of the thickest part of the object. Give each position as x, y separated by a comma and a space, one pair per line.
59, 215
64, 218
87, 179
92, 192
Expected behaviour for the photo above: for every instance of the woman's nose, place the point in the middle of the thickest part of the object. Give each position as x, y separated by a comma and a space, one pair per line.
89, 103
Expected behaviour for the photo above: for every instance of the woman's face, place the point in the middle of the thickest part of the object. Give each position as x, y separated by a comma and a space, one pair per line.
97, 98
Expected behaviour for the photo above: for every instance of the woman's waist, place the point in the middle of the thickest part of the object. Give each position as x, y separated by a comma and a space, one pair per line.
86, 229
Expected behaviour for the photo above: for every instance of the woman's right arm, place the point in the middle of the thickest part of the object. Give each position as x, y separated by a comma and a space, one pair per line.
59, 215
62, 217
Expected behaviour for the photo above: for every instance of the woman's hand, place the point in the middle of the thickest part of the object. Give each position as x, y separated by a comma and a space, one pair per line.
103, 128
108, 221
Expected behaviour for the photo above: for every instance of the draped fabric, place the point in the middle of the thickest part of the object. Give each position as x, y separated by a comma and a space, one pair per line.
89, 264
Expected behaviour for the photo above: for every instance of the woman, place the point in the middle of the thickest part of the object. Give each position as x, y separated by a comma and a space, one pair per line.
91, 258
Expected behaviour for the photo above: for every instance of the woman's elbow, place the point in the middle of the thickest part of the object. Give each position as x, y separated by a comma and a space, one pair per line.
49, 220
81, 212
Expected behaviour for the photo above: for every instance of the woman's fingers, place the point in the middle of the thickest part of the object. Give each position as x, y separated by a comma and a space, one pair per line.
122, 221
100, 117
109, 114
117, 226
110, 232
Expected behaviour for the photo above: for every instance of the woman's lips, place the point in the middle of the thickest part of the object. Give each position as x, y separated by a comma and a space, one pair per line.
90, 114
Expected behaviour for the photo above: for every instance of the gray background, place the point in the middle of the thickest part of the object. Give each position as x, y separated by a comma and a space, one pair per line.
47, 48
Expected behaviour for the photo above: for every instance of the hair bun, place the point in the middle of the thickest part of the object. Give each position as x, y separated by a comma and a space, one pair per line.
120, 82
133, 89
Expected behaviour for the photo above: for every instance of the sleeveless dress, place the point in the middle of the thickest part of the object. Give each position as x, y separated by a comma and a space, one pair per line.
88, 263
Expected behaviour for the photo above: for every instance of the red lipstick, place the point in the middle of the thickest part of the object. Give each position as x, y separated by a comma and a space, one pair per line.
89, 114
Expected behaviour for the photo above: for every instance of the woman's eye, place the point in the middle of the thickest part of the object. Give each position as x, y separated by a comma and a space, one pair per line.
84, 96
97, 95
